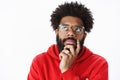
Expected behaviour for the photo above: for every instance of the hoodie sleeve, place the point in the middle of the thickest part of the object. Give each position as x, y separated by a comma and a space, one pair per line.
101, 73
98, 71
35, 73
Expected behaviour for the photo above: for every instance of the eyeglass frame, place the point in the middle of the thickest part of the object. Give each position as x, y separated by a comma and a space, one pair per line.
82, 28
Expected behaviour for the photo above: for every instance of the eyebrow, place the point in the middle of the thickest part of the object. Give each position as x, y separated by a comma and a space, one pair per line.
74, 25
65, 24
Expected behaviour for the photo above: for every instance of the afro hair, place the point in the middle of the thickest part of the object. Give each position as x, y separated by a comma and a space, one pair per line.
74, 9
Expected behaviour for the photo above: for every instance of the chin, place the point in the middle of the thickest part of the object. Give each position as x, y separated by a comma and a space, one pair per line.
71, 45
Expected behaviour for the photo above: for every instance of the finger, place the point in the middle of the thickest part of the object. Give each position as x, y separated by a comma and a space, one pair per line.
60, 56
78, 47
67, 51
63, 54
71, 49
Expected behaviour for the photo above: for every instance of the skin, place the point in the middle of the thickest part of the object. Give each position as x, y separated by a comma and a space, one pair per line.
67, 59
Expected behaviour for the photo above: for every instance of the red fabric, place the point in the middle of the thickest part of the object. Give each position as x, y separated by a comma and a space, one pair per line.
45, 66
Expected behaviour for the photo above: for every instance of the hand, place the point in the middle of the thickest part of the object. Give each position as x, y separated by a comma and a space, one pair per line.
67, 57
86, 79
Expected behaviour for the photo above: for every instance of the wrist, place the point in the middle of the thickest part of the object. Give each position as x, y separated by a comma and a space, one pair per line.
64, 70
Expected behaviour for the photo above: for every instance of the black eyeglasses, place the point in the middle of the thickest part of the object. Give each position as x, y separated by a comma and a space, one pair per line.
75, 29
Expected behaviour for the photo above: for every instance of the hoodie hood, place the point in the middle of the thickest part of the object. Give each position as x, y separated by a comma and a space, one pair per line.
54, 53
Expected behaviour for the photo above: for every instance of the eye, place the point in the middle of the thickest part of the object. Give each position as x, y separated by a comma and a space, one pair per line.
77, 29
63, 27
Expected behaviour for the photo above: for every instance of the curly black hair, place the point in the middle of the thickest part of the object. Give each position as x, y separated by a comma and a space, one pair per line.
74, 9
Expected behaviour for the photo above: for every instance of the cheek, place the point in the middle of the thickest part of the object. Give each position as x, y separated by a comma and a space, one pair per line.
61, 35
81, 37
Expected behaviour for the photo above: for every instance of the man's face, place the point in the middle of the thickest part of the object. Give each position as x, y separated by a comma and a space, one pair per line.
70, 30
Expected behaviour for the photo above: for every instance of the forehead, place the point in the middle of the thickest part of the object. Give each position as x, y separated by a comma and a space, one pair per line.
70, 20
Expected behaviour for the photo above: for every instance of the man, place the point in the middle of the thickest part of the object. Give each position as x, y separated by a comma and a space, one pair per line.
69, 59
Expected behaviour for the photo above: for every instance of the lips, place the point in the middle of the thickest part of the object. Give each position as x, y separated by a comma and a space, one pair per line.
70, 42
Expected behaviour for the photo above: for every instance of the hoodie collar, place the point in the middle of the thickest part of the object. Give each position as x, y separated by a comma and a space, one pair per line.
54, 52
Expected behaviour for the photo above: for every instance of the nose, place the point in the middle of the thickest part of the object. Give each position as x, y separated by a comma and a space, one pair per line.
71, 33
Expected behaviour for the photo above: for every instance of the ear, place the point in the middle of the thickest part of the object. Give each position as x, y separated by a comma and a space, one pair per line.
85, 34
56, 31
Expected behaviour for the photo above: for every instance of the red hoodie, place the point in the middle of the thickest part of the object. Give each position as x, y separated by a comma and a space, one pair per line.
89, 66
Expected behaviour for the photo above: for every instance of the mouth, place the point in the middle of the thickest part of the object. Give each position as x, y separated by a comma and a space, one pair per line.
70, 42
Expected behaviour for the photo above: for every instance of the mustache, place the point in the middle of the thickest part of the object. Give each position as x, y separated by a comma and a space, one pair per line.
69, 38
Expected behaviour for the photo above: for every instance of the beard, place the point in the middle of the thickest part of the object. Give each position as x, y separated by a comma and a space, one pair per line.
60, 43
